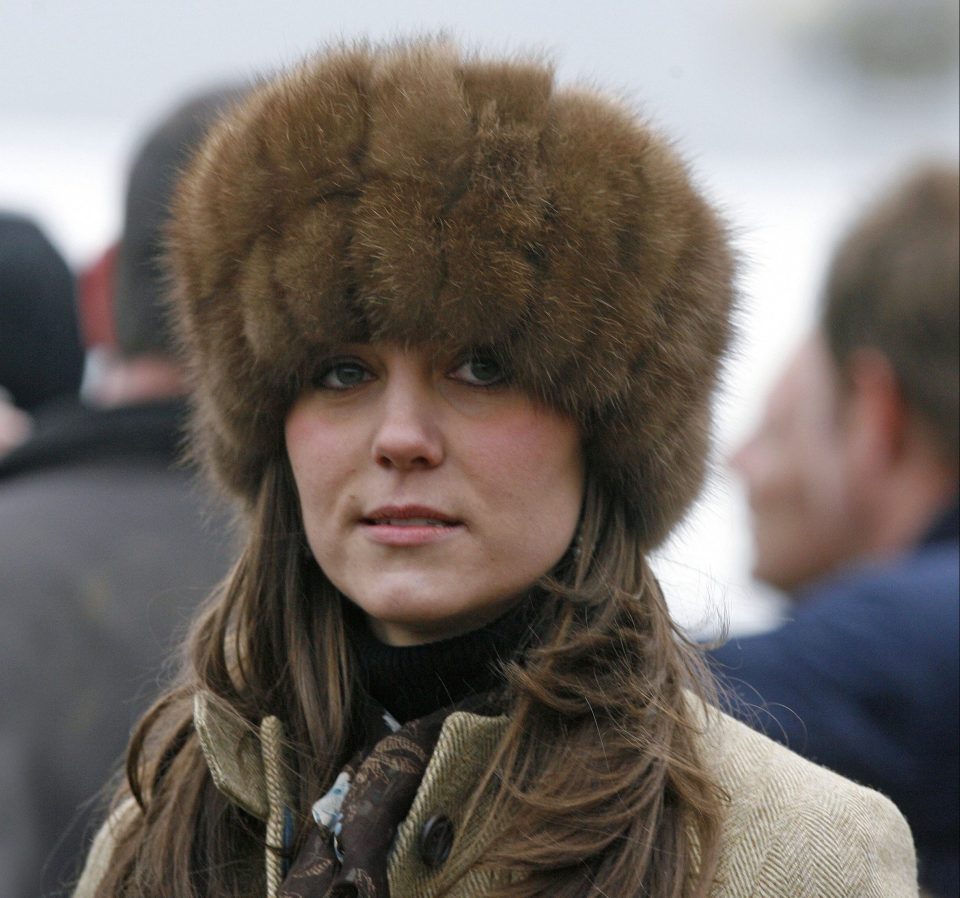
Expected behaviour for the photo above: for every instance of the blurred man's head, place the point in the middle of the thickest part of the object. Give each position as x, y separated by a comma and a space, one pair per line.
140, 279
145, 367
857, 452
893, 288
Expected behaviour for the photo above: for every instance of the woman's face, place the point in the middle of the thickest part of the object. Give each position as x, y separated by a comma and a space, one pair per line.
433, 492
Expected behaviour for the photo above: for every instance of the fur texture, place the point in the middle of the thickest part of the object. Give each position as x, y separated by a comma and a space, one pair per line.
413, 194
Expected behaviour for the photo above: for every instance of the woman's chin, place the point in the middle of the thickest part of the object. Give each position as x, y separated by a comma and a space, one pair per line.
416, 622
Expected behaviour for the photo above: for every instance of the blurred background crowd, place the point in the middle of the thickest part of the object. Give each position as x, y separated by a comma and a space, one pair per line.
795, 116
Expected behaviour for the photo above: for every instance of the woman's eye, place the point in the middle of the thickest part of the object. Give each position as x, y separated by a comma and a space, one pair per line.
479, 371
342, 376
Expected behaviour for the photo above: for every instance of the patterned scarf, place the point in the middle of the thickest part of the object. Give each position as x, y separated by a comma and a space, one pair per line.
345, 854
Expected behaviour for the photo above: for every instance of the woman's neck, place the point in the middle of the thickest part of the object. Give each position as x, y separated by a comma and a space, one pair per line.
412, 681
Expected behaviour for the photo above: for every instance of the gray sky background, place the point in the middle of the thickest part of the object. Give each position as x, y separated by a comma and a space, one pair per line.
792, 112
725, 74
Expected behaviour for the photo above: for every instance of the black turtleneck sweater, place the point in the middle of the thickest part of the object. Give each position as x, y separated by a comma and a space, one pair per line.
413, 681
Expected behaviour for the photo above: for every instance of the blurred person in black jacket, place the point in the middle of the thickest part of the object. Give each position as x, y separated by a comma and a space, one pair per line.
106, 546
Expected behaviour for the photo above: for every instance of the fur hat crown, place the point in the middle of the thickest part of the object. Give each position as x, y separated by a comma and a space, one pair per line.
416, 195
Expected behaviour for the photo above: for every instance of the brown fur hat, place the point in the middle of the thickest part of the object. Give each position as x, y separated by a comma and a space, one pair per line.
413, 194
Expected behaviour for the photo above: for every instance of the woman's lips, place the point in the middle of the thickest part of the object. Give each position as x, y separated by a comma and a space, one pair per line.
408, 525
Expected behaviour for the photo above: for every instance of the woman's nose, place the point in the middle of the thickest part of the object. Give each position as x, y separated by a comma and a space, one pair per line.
408, 433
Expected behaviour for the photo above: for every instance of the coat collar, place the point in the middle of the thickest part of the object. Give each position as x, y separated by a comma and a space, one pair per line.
66, 432
233, 750
238, 756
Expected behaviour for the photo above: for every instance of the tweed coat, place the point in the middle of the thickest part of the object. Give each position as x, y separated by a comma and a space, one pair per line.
791, 829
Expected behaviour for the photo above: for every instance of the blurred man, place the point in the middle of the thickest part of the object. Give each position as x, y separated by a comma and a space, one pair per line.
106, 547
852, 480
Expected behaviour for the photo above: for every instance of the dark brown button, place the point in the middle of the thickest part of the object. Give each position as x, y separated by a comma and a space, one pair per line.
436, 839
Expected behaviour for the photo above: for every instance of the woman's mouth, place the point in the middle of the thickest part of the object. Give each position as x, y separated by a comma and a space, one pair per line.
408, 525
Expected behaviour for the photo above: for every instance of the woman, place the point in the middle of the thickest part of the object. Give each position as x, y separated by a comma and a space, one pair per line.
453, 335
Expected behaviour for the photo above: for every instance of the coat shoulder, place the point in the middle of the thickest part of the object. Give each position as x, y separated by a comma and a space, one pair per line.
793, 828
104, 844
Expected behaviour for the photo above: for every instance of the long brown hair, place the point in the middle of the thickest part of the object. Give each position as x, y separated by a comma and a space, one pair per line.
636, 814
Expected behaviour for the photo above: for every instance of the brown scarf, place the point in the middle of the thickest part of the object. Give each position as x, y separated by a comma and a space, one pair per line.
345, 855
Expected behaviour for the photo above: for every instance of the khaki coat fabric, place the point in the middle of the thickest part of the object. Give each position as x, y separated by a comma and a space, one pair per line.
792, 829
